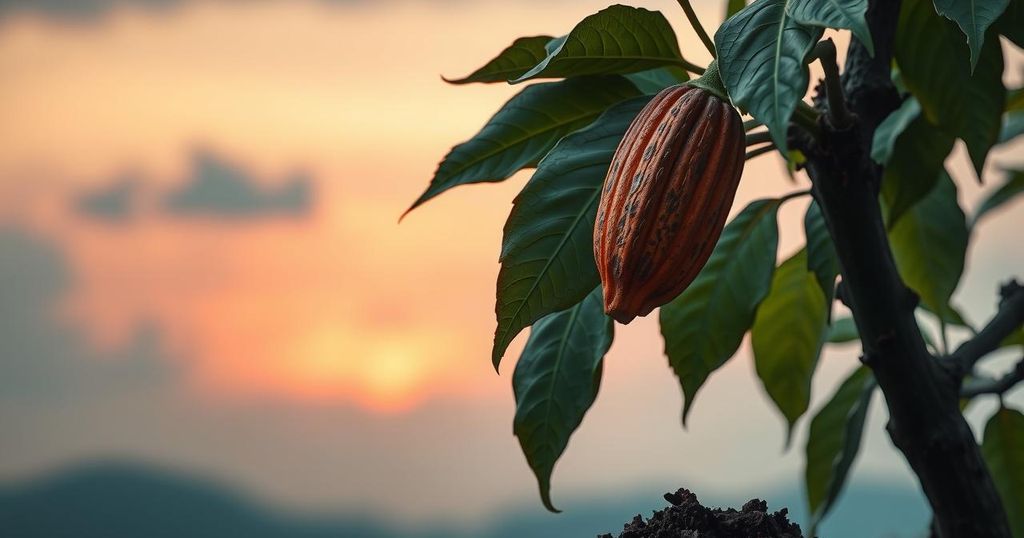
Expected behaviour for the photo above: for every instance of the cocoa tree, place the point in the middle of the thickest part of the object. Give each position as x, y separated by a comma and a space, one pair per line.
885, 234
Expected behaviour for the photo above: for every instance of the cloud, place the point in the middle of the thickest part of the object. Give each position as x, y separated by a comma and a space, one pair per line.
44, 360
77, 10
221, 189
113, 203
92, 10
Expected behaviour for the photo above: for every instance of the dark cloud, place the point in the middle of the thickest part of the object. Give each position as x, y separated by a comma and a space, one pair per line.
45, 360
77, 10
221, 189
91, 10
114, 203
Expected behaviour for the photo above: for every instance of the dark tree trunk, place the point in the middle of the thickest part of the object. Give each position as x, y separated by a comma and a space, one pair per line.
921, 391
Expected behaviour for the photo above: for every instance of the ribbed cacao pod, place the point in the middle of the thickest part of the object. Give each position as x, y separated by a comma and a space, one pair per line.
665, 199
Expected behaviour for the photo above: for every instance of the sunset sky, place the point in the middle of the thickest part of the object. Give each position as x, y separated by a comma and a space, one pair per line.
201, 264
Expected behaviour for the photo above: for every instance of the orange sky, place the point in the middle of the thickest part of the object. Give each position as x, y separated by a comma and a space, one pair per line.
343, 305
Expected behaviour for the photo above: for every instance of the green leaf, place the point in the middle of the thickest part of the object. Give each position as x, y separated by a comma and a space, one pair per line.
845, 14
935, 65
884, 142
518, 58
547, 254
704, 326
1016, 338
616, 40
973, 17
913, 167
833, 441
733, 7
1006, 192
787, 336
843, 330
653, 81
929, 244
1003, 450
761, 53
1013, 126
556, 381
1011, 23
525, 129
821, 253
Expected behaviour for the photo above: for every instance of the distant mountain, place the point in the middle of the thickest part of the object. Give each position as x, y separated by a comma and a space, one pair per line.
121, 500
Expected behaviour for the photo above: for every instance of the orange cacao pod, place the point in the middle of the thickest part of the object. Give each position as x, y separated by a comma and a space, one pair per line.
665, 199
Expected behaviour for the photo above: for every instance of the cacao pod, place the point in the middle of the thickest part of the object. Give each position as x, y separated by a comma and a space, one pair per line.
665, 198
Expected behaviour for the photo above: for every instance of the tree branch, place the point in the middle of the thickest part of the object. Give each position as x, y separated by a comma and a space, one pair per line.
1009, 318
994, 386
925, 422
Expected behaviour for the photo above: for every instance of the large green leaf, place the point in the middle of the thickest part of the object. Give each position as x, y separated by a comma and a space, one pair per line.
821, 253
518, 58
884, 142
547, 254
704, 326
556, 381
1003, 449
973, 17
1011, 23
525, 129
833, 441
1006, 192
787, 336
845, 14
761, 53
843, 330
1013, 116
935, 65
929, 244
654, 80
913, 151
618, 39
733, 7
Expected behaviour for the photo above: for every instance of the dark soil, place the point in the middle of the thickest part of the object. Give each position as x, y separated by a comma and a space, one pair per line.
687, 518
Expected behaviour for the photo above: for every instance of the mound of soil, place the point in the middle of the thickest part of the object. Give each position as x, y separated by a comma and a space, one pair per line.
687, 518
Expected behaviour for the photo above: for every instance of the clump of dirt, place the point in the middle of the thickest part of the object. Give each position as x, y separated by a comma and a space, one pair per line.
687, 518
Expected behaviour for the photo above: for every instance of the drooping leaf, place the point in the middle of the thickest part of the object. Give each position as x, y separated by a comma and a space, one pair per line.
547, 254
704, 326
733, 7
518, 58
1006, 192
1003, 449
913, 159
833, 441
843, 330
788, 332
654, 80
929, 244
844, 14
556, 381
761, 53
616, 40
973, 17
821, 253
935, 65
525, 129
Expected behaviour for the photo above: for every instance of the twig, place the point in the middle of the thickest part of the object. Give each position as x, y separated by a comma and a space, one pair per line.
1009, 318
757, 152
994, 386
697, 27
839, 115
758, 138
